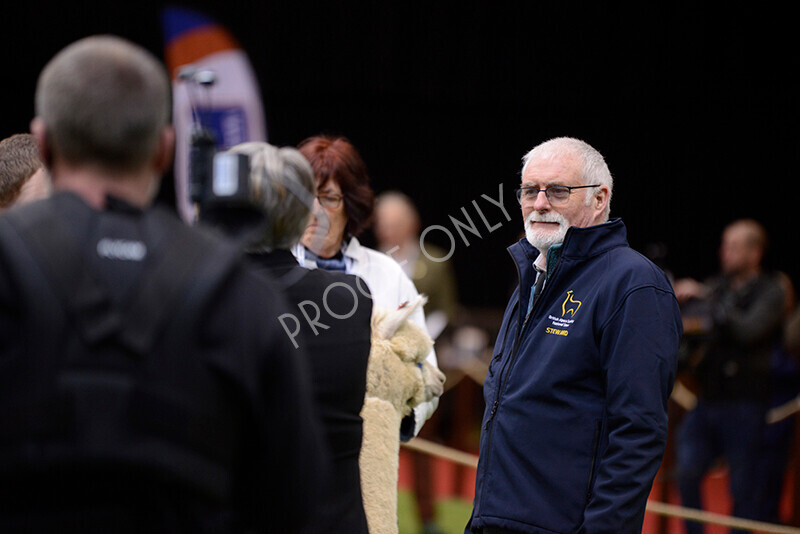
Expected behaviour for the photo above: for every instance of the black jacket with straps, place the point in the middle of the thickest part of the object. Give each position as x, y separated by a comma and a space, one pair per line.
140, 388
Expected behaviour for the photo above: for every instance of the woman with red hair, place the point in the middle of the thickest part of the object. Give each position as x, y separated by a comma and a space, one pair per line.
343, 209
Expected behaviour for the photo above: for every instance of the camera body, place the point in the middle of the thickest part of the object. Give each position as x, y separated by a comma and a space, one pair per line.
216, 178
220, 187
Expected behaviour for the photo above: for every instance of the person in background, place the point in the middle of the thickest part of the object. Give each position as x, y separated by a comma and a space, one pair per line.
344, 208
778, 435
23, 176
745, 310
141, 388
397, 229
576, 394
338, 353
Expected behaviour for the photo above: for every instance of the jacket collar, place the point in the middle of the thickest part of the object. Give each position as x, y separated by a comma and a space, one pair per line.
353, 249
579, 243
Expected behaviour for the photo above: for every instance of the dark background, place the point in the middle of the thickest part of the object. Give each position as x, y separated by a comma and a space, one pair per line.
694, 107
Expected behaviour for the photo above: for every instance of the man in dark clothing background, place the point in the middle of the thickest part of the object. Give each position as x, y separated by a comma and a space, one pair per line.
141, 388
731, 366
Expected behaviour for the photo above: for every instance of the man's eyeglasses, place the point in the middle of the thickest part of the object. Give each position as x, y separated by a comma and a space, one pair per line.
556, 194
330, 202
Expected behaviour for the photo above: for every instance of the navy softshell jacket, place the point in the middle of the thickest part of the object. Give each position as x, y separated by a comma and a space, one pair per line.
576, 394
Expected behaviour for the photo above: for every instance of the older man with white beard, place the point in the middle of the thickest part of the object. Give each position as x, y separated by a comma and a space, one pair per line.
576, 394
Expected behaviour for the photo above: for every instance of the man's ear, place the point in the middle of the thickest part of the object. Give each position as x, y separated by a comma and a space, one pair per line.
39, 133
165, 151
601, 198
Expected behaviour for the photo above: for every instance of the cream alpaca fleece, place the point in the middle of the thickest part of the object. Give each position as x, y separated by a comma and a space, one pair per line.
395, 384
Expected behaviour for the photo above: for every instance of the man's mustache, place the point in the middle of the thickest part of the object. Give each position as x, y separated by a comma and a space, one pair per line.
545, 217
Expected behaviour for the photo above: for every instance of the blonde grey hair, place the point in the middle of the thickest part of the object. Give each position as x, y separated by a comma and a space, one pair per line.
104, 100
593, 166
284, 186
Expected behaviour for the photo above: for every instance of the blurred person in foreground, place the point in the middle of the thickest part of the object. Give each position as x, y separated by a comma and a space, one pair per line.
141, 390
337, 343
576, 394
344, 208
744, 310
23, 176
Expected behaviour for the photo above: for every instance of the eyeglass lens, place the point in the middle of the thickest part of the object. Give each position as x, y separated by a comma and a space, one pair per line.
554, 193
329, 202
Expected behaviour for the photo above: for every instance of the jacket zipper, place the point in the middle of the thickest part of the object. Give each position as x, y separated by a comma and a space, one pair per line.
508, 365
502, 346
595, 445
510, 361
504, 374
507, 369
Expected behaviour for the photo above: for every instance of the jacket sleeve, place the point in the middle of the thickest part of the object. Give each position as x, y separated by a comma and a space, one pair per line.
638, 347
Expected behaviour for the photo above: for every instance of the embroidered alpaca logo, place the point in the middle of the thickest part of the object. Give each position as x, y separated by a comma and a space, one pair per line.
570, 300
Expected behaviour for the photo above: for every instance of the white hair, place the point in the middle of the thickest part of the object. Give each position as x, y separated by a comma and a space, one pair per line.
284, 185
593, 166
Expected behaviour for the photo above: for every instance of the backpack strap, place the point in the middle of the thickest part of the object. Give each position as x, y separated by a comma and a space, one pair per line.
188, 268
47, 238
